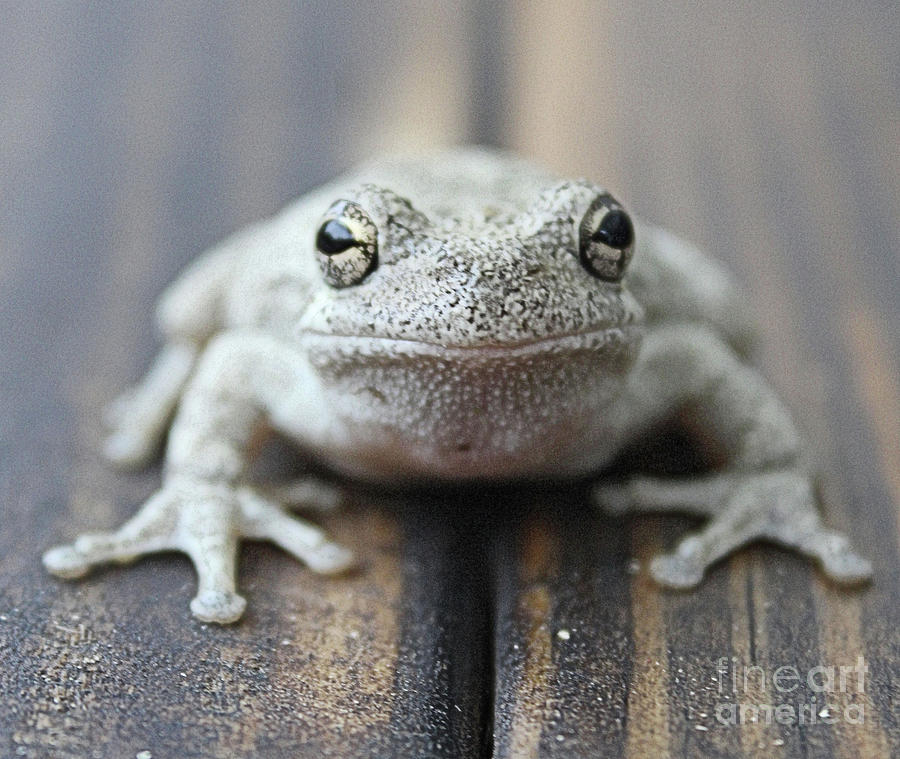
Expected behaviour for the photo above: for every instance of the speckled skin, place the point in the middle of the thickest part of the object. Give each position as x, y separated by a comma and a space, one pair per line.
462, 338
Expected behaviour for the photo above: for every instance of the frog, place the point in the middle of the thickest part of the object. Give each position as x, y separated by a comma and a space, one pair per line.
456, 317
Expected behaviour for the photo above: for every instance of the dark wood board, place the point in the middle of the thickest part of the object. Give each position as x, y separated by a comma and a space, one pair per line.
513, 623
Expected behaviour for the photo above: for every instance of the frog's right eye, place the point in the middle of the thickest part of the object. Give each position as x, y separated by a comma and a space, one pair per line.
346, 244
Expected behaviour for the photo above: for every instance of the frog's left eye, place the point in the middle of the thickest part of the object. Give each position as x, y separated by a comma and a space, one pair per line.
346, 244
605, 239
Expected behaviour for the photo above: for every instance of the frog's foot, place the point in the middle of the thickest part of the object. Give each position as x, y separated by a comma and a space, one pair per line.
777, 506
137, 420
206, 522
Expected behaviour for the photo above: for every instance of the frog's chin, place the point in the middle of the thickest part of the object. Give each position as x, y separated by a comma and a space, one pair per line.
460, 413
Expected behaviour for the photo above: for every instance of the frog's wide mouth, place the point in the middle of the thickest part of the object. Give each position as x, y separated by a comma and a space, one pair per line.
324, 345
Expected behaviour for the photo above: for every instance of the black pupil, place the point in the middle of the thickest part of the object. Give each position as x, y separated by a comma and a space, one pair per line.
334, 237
615, 230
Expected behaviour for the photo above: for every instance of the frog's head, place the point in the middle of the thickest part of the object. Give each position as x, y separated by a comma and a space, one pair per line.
503, 299
500, 278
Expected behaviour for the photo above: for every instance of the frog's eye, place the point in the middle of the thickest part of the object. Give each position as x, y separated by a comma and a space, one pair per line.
346, 244
605, 239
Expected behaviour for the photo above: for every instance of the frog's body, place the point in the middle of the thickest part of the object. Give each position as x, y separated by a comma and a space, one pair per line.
464, 317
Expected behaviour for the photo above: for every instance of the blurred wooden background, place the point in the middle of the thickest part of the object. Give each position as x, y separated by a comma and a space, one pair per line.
133, 135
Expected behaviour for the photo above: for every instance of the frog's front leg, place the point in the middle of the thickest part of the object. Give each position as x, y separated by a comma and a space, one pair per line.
765, 493
242, 381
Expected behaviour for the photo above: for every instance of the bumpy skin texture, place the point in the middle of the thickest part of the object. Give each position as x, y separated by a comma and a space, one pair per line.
462, 338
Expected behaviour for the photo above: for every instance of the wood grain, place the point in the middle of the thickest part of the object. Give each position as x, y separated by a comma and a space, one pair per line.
515, 623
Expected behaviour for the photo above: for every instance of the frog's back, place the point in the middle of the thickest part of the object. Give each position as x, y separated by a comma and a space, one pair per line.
459, 182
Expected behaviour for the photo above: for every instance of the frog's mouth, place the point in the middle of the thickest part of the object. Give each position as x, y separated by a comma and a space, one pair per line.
332, 350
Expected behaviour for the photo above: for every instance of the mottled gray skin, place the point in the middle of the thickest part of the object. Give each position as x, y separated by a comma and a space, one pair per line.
476, 347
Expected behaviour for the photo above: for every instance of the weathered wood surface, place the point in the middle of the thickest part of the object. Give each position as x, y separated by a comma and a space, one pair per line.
133, 136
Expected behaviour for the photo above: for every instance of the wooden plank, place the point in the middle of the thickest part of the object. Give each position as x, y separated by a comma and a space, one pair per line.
561, 657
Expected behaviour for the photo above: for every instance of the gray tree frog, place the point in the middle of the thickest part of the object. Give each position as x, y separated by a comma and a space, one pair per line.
463, 317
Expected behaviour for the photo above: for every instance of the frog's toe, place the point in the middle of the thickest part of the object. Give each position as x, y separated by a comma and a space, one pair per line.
103, 547
850, 569
832, 550
218, 606
674, 571
66, 562
76, 560
264, 520
117, 410
127, 448
838, 559
330, 558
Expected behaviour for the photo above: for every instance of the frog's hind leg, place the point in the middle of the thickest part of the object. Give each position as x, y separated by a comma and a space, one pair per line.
189, 313
778, 507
